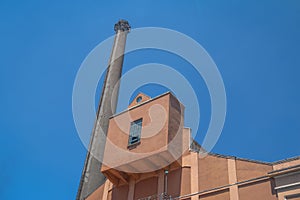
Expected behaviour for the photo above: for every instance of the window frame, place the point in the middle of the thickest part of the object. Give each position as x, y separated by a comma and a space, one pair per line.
135, 131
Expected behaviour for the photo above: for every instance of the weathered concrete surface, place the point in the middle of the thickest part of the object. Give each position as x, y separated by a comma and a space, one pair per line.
92, 178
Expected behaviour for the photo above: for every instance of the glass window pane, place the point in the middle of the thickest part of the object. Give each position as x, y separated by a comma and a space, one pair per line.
135, 131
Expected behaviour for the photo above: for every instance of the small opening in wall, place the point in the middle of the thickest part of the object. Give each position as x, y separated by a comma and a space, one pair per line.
139, 99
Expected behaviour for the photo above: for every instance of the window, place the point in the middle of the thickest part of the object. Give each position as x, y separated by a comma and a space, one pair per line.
139, 99
135, 132
292, 197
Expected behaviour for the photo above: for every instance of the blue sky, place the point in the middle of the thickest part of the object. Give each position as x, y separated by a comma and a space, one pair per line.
255, 45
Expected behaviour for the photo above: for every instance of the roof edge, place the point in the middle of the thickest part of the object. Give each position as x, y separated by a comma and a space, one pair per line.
286, 160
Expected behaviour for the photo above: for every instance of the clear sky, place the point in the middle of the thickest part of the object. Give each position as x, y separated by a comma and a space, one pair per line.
255, 45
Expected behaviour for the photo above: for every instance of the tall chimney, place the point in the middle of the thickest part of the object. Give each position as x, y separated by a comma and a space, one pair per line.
91, 177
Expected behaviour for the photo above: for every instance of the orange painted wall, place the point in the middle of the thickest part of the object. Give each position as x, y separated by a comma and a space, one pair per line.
120, 192
257, 191
185, 181
213, 172
119, 126
134, 101
145, 188
221, 195
97, 194
176, 113
174, 183
248, 170
162, 129
282, 165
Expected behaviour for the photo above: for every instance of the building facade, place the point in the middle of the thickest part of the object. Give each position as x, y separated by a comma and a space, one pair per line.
149, 154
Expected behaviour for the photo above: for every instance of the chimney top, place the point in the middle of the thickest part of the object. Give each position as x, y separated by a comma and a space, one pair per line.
122, 25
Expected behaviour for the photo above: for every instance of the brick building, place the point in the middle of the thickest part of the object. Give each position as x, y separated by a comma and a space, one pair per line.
190, 172
147, 153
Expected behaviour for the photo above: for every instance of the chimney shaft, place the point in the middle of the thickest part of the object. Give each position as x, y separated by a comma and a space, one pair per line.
91, 177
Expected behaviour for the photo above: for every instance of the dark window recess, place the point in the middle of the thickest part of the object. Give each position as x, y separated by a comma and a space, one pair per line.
139, 99
135, 132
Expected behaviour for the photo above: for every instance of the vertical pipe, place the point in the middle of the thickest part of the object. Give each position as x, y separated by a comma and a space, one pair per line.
91, 177
166, 184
